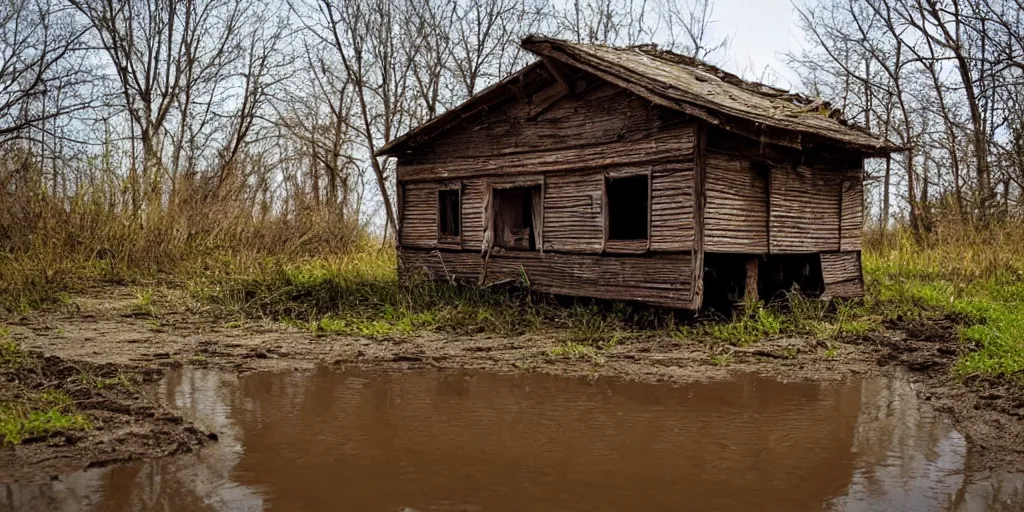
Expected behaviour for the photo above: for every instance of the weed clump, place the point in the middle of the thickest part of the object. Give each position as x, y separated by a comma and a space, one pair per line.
19, 423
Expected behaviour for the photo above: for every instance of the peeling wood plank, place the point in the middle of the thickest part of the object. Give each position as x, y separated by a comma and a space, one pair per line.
804, 210
599, 113
663, 280
419, 215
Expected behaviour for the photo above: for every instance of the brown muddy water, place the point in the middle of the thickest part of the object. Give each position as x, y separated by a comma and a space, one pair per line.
468, 441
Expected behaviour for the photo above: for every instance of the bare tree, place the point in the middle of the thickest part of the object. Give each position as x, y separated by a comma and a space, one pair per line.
41, 50
162, 51
689, 27
617, 22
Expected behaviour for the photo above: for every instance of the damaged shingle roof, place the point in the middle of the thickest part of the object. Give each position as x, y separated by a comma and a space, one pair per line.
696, 88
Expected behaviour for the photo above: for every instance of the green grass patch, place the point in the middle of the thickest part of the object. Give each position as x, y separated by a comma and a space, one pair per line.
978, 285
19, 423
573, 349
11, 355
361, 295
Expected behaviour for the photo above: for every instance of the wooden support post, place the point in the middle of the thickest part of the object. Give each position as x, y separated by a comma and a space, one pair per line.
750, 290
699, 197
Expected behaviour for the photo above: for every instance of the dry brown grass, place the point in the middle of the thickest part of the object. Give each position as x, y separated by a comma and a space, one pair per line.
52, 244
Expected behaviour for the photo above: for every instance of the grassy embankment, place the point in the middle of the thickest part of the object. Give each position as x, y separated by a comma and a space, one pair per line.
325, 276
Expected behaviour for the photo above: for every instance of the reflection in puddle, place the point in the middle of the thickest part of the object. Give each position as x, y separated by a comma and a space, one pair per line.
468, 441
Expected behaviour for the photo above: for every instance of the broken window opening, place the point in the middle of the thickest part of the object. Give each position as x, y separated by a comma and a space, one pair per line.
628, 207
449, 214
516, 217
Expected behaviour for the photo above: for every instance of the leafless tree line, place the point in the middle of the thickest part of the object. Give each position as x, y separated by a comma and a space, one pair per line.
944, 79
277, 105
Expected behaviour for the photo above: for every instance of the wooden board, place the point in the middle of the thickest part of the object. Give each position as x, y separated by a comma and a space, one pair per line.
699, 205
736, 215
473, 213
419, 215
852, 213
841, 272
573, 220
672, 207
665, 146
805, 209
663, 280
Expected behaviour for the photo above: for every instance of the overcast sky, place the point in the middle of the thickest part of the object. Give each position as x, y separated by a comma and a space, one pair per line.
761, 31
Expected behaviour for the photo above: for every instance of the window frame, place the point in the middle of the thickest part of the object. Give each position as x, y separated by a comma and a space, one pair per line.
505, 183
634, 246
446, 239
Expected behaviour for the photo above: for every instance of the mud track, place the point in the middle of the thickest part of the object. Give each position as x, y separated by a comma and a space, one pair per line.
126, 423
106, 328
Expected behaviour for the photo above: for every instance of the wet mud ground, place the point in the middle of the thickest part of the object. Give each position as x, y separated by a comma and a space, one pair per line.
105, 329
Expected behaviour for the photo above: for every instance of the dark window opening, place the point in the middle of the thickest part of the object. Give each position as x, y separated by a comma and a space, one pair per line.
628, 208
448, 213
514, 221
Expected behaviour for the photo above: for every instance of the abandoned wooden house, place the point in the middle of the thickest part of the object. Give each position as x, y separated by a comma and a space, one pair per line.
635, 174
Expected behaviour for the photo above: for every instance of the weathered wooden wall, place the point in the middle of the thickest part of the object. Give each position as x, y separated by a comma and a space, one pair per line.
419, 215
570, 141
672, 207
809, 209
778, 205
662, 280
573, 219
550, 120
851, 212
736, 215
842, 274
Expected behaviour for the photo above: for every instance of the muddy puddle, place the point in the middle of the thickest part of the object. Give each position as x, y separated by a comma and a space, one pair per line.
467, 441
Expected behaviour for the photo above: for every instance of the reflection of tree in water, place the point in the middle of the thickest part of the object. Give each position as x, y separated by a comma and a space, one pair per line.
76, 492
909, 457
200, 481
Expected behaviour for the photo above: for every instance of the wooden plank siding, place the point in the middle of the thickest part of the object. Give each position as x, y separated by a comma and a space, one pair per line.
600, 114
573, 219
841, 272
705, 195
736, 216
419, 215
806, 210
666, 146
663, 280
852, 213
473, 191
672, 207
